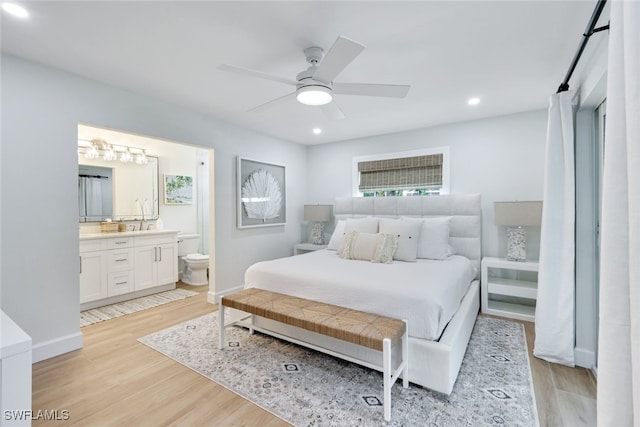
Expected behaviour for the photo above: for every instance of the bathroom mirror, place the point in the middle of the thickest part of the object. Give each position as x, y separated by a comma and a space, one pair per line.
116, 190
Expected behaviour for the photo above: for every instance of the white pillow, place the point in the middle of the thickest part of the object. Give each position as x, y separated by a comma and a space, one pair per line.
372, 247
408, 233
434, 237
363, 225
337, 236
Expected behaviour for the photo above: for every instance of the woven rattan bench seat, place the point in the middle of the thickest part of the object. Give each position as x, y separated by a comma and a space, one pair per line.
365, 329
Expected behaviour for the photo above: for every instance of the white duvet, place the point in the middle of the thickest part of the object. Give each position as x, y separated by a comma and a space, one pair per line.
427, 293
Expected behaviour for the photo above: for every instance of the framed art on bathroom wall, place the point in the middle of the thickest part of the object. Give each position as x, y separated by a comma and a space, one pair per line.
178, 189
261, 194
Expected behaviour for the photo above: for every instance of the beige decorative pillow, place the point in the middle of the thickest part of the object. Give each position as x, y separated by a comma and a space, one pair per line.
372, 247
386, 248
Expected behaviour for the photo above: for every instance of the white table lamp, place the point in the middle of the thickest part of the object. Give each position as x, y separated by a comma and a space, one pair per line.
317, 215
515, 216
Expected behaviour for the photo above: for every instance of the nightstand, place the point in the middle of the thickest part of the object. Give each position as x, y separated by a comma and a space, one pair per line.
509, 288
303, 248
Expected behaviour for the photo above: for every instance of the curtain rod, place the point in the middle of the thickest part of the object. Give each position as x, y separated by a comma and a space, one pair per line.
589, 31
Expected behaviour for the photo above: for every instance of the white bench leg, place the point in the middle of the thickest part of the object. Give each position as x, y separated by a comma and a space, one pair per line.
220, 326
405, 355
386, 373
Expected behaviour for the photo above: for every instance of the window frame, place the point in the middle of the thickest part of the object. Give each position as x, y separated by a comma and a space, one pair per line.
355, 174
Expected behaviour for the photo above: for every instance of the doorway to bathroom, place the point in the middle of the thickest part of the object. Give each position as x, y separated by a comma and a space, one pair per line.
183, 186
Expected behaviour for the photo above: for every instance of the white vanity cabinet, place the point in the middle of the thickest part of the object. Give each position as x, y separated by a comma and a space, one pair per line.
118, 266
93, 270
156, 260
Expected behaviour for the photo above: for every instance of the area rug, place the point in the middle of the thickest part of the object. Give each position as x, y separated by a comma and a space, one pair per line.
308, 388
100, 314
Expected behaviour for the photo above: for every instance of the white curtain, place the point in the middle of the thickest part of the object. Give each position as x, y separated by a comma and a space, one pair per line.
555, 336
619, 337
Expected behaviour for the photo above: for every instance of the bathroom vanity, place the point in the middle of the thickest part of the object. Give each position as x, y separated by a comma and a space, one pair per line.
120, 266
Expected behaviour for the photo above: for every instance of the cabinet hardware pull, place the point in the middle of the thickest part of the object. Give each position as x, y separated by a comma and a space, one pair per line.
80, 259
160, 254
121, 259
121, 283
121, 243
155, 254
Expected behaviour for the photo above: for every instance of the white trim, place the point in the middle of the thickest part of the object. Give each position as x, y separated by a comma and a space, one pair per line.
355, 176
55, 347
584, 358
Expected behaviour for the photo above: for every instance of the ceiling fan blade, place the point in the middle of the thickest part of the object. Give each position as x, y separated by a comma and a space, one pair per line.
254, 73
365, 89
332, 111
262, 107
341, 53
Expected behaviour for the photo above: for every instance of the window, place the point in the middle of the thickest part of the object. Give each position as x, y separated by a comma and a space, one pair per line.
409, 173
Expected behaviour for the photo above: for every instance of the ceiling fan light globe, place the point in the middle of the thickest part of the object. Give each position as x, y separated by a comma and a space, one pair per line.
314, 95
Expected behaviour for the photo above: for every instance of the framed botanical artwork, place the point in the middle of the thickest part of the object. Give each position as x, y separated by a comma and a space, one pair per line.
178, 189
261, 194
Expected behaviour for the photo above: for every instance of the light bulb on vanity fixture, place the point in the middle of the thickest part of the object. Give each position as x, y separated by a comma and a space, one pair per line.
126, 157
141, 158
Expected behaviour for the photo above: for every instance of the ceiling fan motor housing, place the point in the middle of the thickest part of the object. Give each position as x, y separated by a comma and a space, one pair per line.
314, 55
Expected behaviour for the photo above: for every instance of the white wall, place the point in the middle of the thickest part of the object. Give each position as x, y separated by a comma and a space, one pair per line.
177, 159
501, 157
41, 109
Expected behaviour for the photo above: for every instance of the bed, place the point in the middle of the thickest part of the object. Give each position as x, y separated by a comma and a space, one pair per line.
439, 295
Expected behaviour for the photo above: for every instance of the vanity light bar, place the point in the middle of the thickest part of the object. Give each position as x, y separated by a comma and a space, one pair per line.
99, 148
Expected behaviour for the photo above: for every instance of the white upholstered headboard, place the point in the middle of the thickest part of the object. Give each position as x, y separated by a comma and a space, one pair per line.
465, 231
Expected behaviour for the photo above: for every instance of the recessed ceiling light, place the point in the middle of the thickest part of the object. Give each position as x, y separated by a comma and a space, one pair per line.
473, 101
15, 10
317, 131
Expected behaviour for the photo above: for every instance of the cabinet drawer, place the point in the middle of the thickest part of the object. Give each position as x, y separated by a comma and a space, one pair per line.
92, 245
120, 259
120, 242
120, 282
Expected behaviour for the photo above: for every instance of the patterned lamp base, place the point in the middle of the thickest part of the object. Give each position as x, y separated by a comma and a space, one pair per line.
516, 245
317, 233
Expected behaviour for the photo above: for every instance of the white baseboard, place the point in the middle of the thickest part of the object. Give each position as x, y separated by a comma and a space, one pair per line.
214, 297
48, 349
584, 358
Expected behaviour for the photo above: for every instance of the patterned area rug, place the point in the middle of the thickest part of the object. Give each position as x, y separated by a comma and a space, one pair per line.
307, 388
100, 314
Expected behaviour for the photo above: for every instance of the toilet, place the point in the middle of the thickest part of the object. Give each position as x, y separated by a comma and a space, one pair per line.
192, 265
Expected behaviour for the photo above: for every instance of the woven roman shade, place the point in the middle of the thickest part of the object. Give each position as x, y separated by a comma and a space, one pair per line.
404, 172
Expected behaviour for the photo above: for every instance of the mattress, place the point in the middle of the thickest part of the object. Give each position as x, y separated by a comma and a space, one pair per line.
427, 293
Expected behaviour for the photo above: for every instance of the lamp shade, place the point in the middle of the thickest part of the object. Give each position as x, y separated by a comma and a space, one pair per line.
513, 214
317, 213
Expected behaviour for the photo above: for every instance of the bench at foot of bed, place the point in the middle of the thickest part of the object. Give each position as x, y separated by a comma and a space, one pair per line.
357, 327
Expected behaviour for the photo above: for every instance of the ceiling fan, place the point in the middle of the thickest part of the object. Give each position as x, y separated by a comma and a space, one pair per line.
315, 85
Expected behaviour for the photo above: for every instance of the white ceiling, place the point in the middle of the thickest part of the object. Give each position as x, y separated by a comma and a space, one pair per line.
511, 54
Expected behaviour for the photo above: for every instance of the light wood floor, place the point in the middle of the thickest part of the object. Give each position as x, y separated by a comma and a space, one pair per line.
116, 381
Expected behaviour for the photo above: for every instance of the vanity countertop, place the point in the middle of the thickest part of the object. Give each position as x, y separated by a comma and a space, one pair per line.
87, 236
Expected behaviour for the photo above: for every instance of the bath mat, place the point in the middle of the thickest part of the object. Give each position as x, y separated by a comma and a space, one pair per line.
100, 314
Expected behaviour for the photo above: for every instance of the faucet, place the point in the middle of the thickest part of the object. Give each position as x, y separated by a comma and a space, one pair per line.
142, 221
